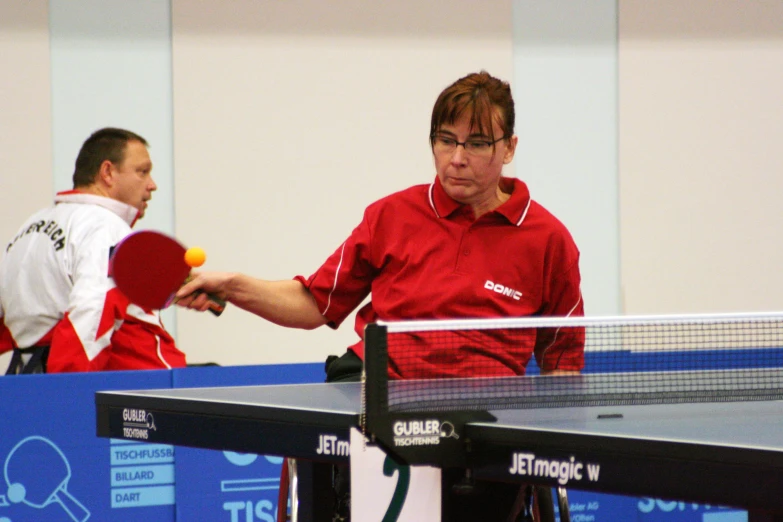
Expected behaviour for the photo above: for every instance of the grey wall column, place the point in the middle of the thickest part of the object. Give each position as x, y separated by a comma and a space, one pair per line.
566, 92
111, 66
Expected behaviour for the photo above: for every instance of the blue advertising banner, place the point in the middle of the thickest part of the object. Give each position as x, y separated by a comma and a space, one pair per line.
54, 468
596, 507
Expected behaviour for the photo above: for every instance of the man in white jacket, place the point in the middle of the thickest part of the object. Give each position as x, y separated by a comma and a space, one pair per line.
59, 309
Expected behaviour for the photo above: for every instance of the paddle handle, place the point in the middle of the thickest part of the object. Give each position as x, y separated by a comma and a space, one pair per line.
216, 305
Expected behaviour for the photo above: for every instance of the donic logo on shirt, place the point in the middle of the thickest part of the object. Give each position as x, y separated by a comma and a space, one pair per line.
503, 290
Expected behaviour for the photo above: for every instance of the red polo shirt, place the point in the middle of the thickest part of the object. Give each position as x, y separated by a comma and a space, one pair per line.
423, 255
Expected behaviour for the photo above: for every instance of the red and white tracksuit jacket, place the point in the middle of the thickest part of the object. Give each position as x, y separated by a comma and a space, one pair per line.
55, 290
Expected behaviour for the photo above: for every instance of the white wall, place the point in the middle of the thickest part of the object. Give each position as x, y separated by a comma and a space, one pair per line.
25, 113
25, 117
701, 162
263, 113
290, 118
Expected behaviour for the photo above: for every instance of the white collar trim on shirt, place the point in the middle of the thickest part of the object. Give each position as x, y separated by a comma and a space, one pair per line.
524, 214
432, 200
128, 213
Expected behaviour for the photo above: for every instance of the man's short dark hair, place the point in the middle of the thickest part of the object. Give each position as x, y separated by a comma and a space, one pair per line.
104, 144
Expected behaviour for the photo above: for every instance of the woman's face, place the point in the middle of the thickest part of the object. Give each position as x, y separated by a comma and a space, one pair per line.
470, 172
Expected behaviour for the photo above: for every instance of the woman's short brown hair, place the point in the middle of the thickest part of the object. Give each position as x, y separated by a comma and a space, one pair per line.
480, 95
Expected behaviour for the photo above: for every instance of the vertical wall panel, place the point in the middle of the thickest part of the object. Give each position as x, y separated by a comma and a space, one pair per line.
565, 84
701, 121
25, 113
292, 117
25, 116
111, 66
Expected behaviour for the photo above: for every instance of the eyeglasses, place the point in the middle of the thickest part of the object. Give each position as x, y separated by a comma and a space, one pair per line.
442, 144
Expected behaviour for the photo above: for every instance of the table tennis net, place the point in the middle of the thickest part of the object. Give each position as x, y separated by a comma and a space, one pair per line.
621, 360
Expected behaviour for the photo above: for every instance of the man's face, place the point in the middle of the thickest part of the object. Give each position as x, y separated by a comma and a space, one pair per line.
471, 176
133, 177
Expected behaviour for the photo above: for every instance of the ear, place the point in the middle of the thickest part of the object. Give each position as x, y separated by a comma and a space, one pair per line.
106, 173
511, 148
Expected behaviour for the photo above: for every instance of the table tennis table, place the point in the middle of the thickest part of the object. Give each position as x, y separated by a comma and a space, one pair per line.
723, 453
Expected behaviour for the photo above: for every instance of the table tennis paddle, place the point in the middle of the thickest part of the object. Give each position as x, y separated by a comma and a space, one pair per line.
27, 484
149, 267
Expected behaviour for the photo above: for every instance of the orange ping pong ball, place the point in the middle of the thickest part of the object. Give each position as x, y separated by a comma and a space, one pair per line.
195, 256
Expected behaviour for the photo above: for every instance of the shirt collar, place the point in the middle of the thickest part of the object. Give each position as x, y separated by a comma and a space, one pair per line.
128, 213
514, 209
